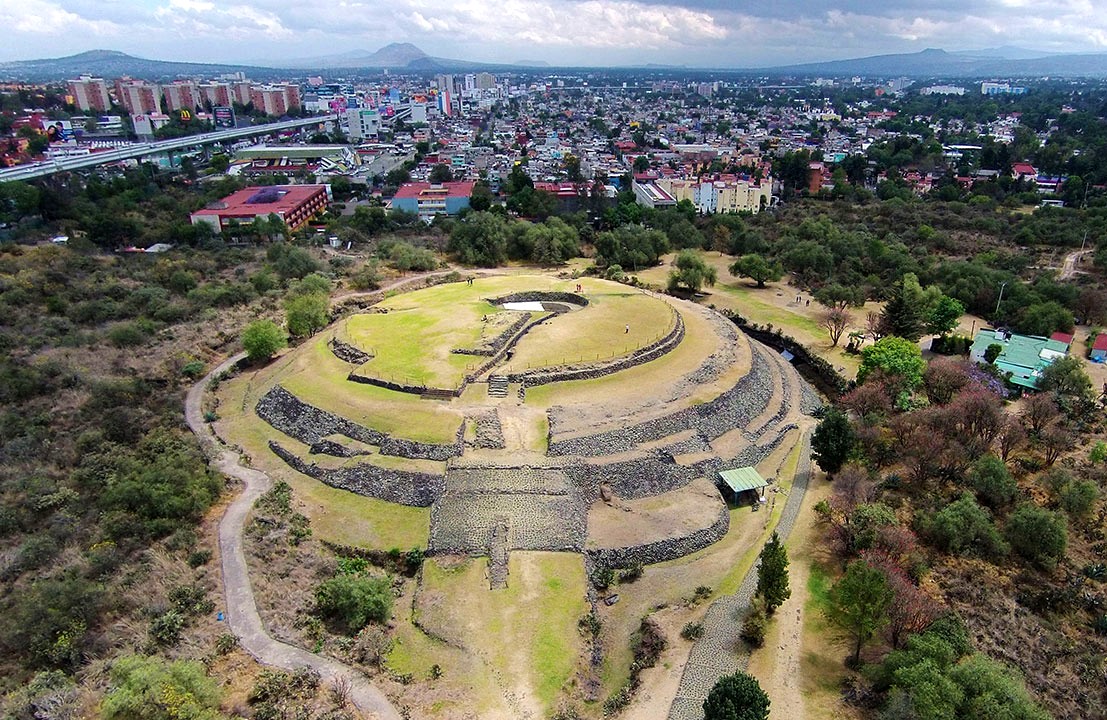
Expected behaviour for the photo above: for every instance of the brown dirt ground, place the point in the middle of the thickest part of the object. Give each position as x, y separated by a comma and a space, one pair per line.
627, 522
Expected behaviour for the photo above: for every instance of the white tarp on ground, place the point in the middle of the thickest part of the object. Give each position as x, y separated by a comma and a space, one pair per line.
523, 306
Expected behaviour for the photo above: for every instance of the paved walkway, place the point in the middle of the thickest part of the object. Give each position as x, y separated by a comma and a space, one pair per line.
721, 650
242, 611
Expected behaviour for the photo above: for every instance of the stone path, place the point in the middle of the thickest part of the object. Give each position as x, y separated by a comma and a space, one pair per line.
242, 612
721, 651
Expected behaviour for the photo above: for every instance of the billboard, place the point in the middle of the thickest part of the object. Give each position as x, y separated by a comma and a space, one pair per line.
59, 131
224, 117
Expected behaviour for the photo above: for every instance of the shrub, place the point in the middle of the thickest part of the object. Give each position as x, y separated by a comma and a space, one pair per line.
991, 481
964, 526
755, 623
166, 628
1037, 534
353, 601
149, 688
736, 697
692, 631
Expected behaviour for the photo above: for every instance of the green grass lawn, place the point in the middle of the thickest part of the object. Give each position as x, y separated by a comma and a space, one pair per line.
598, 332
411, 342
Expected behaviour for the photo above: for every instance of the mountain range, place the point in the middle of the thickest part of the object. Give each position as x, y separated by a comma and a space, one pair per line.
405, 57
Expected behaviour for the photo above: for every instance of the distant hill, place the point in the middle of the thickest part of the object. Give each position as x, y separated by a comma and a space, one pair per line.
111, 64
940, 63
394, 55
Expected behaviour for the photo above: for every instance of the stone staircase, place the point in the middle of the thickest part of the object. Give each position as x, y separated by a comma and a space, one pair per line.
497, 386
497, 556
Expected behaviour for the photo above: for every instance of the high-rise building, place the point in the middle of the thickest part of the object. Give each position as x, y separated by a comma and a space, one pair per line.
182, 95
90, 94
138, 96
445, 105
485, 81
445, 83
364, 123
217, 94
240, 91
275, 99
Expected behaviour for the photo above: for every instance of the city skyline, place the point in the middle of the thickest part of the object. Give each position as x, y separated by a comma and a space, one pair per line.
697, 33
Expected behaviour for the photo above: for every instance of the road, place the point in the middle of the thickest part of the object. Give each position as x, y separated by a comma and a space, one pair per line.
130, 152
242, 611
1068, 269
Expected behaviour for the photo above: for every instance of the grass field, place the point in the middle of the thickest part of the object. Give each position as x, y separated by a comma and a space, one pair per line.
616, 322
771, 305
411, 342
526, 632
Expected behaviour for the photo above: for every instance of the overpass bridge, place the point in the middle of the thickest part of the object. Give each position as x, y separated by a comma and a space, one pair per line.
31, 171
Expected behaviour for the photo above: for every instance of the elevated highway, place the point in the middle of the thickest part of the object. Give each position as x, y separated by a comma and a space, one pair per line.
31, 171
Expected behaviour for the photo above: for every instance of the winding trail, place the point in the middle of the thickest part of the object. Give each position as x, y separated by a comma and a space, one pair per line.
242, 611
1068, 268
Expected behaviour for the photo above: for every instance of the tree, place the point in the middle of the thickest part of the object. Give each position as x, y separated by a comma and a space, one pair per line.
262, 339
835, 321
1039, 412
441, 173
353, 601
480, 239
944, 315
757, 269
964, 526
992, 352
904, 313
691, 272
149, 688
736, 697
1037, 534
1066, 376
772, 574
1044, 318
859, 603
991, 481
306, 315
841, 297
896, 358
833, 441
291, 261
481, 198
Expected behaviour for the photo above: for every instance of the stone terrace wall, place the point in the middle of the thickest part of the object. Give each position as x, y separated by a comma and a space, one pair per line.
541, 296
416, 489
589, 371
400, 387
735, 408
308, 424
632, 479
662, 550
348, 353
498, 342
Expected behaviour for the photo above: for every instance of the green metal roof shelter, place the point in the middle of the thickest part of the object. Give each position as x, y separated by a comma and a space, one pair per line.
742, 480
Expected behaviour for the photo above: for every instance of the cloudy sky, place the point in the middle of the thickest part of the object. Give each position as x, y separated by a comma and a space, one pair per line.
707, 33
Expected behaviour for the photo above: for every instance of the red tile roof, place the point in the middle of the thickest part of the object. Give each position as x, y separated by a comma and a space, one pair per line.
1100, 342
1061, 337
284, 198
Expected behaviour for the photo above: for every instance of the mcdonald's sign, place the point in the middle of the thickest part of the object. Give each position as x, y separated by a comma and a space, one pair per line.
185, 116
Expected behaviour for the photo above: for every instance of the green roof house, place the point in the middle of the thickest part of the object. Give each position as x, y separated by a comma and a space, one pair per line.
1023, 356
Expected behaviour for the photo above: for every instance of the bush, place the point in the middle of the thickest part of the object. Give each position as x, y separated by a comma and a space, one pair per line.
353, 601
166, 628
1037, 534
964, 526
755, 623
692, 631
736, 697
991, 481
149, 688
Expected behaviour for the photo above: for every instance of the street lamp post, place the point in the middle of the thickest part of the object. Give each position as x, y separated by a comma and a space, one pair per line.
1001, 288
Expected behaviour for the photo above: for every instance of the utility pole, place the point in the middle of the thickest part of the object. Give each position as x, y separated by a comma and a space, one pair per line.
1002, 286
